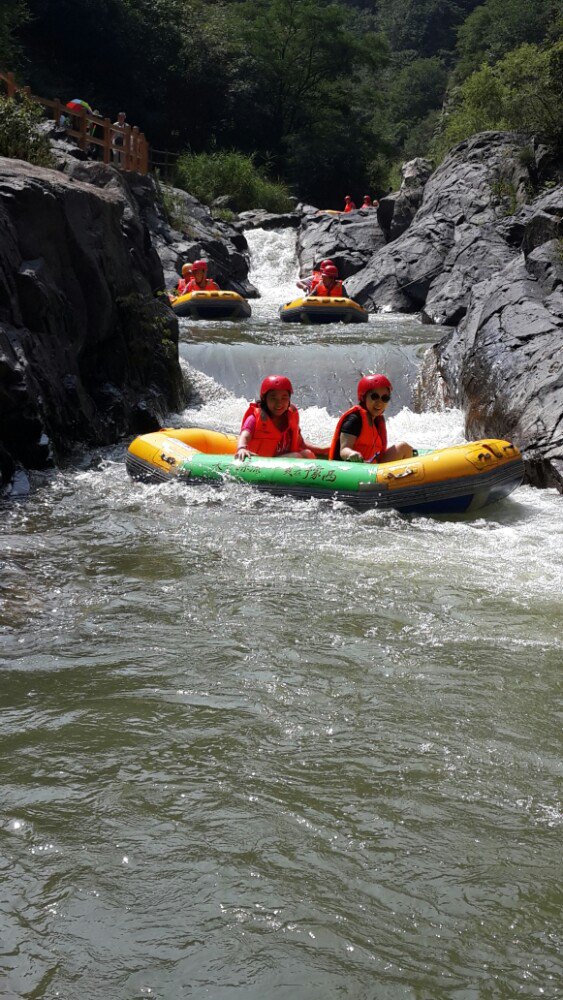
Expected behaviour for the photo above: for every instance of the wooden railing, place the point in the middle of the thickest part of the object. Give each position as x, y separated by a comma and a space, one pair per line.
124, 147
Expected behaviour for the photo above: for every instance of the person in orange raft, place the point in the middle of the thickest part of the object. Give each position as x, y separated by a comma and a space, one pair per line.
200, 282
361, 434
349, 205
270, 426
185, 279
307, 284
329, 285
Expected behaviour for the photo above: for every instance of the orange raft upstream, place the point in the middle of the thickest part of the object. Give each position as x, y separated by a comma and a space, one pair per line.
454, 480
211, 305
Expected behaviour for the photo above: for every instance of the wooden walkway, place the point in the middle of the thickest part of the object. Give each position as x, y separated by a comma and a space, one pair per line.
90, 130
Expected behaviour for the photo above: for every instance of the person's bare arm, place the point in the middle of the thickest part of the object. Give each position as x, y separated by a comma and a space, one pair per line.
347, 450
242, 451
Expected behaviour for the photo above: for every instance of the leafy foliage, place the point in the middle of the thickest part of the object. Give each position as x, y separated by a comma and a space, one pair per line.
327, 94
13, 14
523, 91
19, 138
211, 175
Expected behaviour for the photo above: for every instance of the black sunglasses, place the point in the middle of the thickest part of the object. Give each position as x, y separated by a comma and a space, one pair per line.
375, 395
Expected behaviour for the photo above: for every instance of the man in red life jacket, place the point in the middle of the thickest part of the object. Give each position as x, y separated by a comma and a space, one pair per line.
307, 284
349, 205
270, 427
185, 279
329, 285
200, 282
361, 434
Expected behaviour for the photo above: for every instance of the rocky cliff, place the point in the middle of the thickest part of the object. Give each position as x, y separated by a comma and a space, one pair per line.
88, 350
485, 254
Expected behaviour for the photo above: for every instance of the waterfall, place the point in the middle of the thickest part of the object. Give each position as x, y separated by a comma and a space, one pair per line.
274, 269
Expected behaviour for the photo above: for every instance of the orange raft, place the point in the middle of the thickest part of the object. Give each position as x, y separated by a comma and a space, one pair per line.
454, 480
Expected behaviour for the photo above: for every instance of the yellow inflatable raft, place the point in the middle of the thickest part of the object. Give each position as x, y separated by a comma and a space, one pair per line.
320, 309
467, 477
211, 305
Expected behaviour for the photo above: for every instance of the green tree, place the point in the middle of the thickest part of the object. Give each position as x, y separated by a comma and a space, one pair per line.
523, 91
13, 14
497, 26
19, 138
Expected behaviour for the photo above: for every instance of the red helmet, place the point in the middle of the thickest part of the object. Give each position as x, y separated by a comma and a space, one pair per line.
369, 382
275, 382
348, 197
329, 270
367, 199
327, 261
199, 265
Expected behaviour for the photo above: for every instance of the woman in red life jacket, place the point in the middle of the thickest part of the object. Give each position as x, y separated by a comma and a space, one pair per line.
329, 285
361, 434
349, 205
270, 427
185, 279
307, 284
200, 282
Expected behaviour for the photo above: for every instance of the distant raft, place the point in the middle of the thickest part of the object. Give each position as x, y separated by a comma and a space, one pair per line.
456, 480
212, 305
323, 310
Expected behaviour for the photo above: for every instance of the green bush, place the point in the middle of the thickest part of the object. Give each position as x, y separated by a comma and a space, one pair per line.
521, 92
210, 175
19, 139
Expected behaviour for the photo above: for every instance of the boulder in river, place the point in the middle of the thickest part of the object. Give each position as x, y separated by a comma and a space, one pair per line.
349, 240
260, 219
88, 349
503, 365
461, 203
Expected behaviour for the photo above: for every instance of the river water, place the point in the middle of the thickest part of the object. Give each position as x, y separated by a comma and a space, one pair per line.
257, 748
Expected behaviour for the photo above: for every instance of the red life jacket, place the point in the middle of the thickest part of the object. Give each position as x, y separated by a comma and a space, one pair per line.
267, 438
206, 286
182, 286
320, 289
371, 441
350, 207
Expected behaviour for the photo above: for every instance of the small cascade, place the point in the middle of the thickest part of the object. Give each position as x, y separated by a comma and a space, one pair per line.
274, 269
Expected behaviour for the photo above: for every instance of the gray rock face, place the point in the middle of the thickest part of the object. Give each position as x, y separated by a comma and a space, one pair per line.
477, 251
88, 353
452, 231
503, 365
195, 233
397, 210
260, 219
348, 240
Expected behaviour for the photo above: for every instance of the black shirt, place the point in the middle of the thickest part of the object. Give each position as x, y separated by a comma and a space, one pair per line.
351, 425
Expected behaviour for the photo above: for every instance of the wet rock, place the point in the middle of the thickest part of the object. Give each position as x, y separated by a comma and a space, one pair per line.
349, 240
260, 219
88, 353
503, 363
